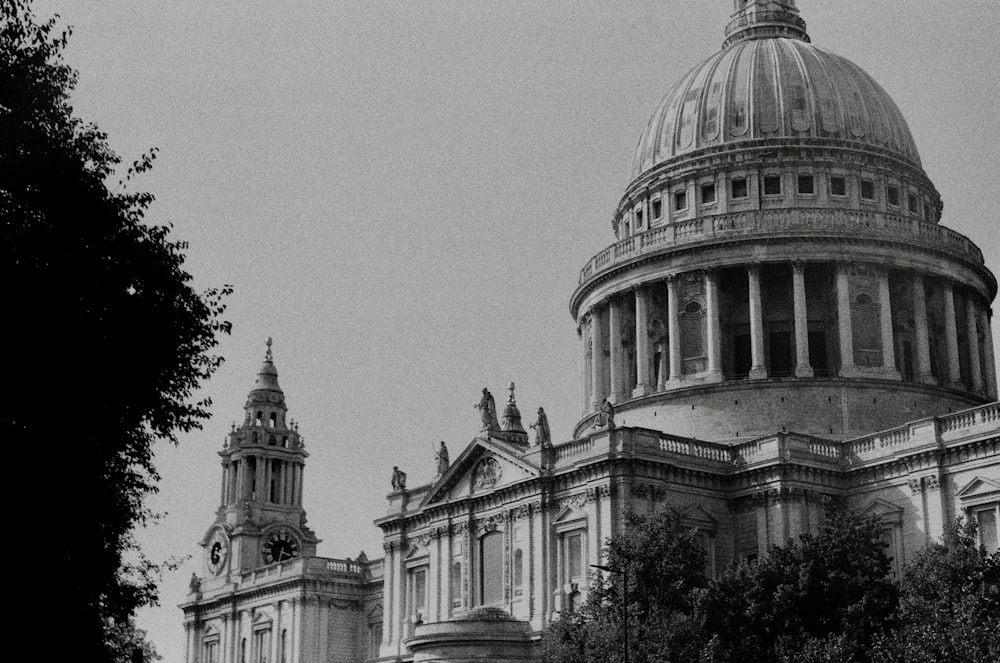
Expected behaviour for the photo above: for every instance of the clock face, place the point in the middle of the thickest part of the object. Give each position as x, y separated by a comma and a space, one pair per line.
218, 553
280, 547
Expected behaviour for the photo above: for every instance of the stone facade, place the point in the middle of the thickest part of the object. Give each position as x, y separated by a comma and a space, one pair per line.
783, 323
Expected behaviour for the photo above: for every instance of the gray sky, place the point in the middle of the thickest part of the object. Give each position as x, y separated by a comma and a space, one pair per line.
403, 193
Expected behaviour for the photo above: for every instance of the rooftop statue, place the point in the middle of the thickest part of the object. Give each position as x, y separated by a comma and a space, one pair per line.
542, 434
398, 479
488, 411
441, 457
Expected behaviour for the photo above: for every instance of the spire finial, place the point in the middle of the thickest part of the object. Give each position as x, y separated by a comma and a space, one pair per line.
510, 399
267, 355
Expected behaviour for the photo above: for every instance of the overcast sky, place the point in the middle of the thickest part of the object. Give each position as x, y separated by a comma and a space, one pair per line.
403, 193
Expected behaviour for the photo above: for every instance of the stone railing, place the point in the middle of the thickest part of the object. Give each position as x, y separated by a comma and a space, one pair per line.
769, 222
915, 436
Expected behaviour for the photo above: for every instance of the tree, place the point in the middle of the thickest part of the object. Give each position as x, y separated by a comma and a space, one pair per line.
106, 340
665, 566
949, 604
828, 594
822, 599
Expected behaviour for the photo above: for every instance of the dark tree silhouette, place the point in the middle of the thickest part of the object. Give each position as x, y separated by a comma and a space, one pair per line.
105, 343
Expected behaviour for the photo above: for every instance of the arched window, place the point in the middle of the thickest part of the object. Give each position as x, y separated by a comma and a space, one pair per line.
865, 331
260, 418
274, 419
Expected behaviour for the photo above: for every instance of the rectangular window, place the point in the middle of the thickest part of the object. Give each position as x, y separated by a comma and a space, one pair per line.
707, 193
987, 524
911, 204
419, 591
838, 186
867, 190
456, 585
806, 184
892, 195
491, 568
680, 200
739, 186
927, 212
261, 645
772, 185
638, 219
211, 654
657, 208
574, 557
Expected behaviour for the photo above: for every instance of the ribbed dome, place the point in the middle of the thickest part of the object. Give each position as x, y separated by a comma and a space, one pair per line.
773, 88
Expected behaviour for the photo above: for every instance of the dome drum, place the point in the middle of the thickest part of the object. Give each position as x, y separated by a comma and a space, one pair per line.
660, 328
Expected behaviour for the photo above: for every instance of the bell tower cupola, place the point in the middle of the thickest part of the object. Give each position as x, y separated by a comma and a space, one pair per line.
260, 519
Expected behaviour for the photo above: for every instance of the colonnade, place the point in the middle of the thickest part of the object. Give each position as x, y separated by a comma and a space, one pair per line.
967, 362
238, 485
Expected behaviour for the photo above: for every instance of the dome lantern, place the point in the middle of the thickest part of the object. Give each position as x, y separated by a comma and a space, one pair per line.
756, 19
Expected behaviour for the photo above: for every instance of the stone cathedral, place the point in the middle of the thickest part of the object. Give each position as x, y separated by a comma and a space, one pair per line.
783, 321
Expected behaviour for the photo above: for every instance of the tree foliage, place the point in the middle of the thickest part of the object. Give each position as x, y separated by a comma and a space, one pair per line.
826, 598
106, 340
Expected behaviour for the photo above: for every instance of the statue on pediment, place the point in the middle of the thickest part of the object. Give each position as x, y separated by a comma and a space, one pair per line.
488, 411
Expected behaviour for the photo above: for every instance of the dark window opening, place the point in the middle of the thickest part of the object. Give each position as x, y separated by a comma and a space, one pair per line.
781, 353
892, 195
707, 193
838, 186
908, 361
818, 357
739, 185
274, 419
927, 212
868, 190
806, 184
638, 219
657, 209
911, 204
680, 200
772, 185
742, 359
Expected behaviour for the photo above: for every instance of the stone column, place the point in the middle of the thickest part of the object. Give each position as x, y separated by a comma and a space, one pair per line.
951, 337
920, 330
615, 341
885, 317
674, 329
642, 371
802, 367
596, 359
844, 328
585, 383
990, 378
757, 368
972, 339
713, 336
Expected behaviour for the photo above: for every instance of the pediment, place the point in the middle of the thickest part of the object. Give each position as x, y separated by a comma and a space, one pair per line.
484, 466
886, 511
697, 516
979, 490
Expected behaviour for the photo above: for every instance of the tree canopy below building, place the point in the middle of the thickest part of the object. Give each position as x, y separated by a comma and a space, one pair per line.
829, 597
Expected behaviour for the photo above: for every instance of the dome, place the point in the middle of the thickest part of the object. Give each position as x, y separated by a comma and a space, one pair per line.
778, 89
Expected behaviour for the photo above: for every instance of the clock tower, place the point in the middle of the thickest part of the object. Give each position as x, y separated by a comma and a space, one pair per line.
260, 520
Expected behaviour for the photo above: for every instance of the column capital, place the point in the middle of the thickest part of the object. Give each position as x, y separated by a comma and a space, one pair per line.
798, 266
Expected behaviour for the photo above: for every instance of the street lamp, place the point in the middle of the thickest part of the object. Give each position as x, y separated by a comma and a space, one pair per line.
624, 573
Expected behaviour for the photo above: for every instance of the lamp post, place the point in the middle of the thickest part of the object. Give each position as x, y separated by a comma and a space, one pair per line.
624, 573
